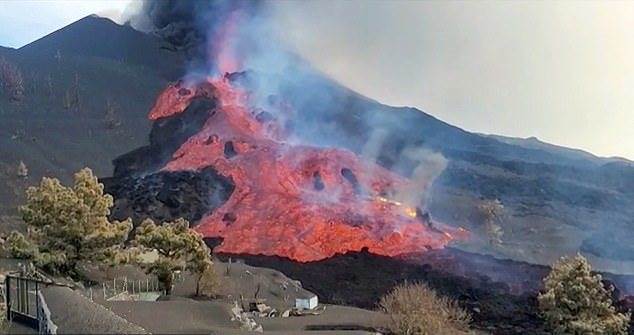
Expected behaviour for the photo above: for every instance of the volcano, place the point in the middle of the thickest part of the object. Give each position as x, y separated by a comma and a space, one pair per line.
302, 202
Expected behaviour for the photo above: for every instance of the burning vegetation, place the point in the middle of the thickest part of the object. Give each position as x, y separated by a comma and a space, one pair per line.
303, 202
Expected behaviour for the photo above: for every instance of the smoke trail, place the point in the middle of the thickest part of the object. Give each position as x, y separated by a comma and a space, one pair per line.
228, 36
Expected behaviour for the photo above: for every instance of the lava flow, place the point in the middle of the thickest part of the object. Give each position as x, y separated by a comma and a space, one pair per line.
302, 202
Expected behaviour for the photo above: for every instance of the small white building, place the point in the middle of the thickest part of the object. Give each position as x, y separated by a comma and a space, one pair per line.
309, 301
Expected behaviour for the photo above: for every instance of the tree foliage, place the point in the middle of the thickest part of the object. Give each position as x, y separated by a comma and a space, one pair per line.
416, 309
575, 301
19, 246
178, 248
69, 224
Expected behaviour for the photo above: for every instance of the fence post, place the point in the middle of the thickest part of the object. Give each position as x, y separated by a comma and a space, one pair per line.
26, 296
7, 287
37, 302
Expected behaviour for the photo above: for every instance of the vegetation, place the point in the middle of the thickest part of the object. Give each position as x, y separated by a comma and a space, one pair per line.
575, 301
22, 170
208, 283
11, 80
111, 121
416, 309
68, 225
178, 248
19, 247
4, 322
492, 210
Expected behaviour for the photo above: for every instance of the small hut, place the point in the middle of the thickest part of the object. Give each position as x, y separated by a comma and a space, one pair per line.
307, 301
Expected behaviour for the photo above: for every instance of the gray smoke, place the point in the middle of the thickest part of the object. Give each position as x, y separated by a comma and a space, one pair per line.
429, 165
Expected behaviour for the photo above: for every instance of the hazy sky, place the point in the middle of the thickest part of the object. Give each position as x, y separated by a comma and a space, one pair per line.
561, 71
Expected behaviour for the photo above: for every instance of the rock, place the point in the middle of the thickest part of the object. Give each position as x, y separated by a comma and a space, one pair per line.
166, 195
286, 313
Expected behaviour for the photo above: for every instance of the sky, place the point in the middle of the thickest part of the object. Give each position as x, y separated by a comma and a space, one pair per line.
560, 71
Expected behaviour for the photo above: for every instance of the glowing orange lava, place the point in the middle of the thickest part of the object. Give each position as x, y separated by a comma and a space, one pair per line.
302, 202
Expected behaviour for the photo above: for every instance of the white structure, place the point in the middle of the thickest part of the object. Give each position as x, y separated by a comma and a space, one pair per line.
306, 302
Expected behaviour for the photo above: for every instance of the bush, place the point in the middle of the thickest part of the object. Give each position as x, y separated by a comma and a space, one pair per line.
575, 301
209, 282
416, 309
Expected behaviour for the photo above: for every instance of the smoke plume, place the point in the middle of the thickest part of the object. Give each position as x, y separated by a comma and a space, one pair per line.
230, 36
204, 30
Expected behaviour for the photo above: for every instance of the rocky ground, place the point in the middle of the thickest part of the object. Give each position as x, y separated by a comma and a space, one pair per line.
239, 283
501, 295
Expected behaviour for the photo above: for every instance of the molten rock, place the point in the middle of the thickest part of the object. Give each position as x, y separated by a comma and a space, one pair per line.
297, 201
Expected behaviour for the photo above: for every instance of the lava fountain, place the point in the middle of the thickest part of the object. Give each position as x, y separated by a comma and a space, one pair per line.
302, 202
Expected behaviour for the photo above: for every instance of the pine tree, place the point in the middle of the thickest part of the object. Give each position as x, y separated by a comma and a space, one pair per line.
70, 225
178, 248
576, 302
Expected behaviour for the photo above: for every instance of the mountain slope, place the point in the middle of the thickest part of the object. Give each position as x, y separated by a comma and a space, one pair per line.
554, 202
84, 90
88, 88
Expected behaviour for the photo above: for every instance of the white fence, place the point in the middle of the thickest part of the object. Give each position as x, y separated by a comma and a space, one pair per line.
135, 288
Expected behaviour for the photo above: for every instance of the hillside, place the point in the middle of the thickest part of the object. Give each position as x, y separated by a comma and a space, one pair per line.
573, 154
554, 202
89, 86
84, 89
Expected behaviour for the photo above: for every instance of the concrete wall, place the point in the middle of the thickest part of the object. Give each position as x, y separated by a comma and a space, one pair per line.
47, 327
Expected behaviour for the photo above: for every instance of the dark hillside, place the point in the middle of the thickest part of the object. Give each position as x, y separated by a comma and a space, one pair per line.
83, 99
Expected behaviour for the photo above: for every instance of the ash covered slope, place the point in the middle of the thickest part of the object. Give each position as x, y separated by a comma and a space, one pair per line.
82, 101
555, 202
552, 202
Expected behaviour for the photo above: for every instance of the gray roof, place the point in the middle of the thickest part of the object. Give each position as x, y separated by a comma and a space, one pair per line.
73, 313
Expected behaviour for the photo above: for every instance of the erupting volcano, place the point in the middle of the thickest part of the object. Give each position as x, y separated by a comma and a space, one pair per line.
302, 202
